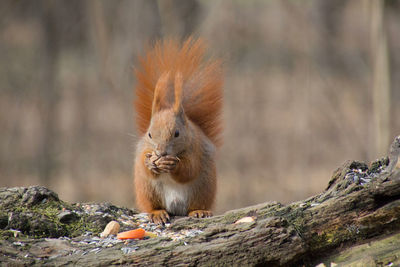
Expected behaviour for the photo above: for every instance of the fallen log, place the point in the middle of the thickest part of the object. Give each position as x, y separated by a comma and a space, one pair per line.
359, 211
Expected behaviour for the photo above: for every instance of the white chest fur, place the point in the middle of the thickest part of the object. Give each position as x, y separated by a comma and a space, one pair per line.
175, 196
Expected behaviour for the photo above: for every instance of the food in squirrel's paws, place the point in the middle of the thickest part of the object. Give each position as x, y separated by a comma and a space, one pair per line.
165, 157
154, 158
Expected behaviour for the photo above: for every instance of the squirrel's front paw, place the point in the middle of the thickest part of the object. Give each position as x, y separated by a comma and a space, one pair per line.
150, 162
167, 163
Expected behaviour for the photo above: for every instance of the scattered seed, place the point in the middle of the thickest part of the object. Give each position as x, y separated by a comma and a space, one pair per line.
128, 250
95, 250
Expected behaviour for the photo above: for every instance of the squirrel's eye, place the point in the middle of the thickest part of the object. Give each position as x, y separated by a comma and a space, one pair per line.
150, 135
176, 133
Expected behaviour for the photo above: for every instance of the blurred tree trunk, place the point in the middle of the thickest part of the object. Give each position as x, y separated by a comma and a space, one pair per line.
179, 17
330, 13
381, 78
98, 24
49, 98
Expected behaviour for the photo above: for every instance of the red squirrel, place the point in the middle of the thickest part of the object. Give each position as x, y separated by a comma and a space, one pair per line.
178, 107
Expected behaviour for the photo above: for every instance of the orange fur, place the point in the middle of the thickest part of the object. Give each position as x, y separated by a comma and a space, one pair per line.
202, 85
178, 106
189, 166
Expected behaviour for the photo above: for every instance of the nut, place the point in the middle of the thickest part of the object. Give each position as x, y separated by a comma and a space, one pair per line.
112, 228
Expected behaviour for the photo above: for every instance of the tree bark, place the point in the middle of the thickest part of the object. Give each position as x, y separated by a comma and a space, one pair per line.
360, 205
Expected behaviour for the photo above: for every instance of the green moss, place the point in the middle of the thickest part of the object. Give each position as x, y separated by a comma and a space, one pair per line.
298, 225
378, 164
275, 210
330, 238
42, 221
72, 229
297, 216
381, 252
81, 226
232, 217
6, 234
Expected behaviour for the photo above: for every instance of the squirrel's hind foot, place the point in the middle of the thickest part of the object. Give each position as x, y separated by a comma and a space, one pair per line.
200, 213
159, 216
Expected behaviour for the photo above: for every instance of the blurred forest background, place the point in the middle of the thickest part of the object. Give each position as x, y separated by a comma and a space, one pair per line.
308, 85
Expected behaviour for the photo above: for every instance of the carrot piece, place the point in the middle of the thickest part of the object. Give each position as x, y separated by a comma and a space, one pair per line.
132, 234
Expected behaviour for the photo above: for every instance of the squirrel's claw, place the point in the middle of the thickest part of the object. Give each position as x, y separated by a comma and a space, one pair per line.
150, 162
166, 163
159, 216
200, 213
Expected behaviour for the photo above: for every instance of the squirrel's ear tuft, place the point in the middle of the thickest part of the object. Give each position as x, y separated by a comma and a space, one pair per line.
178, 92
161, 85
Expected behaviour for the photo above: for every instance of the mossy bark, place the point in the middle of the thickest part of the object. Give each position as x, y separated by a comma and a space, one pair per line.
359, 206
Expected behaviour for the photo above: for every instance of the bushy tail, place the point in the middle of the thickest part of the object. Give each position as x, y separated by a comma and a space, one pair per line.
202, 84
